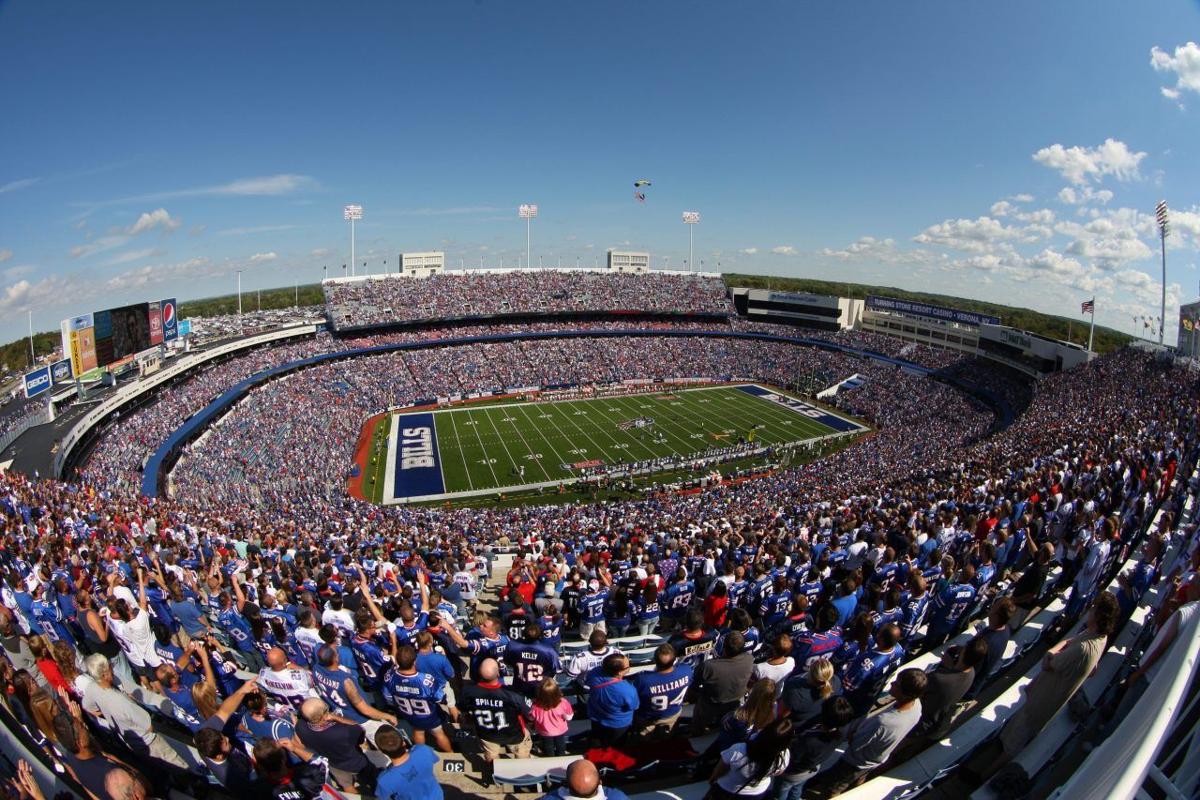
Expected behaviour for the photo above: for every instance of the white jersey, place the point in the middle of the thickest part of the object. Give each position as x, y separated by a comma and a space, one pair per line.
310, 642
291, 685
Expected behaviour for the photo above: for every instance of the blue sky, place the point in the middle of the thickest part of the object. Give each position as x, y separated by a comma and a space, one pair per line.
1006, 151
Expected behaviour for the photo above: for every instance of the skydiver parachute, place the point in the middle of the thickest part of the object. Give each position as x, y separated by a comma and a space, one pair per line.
639, 195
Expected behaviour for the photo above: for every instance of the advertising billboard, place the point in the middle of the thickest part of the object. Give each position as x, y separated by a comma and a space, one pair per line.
185, 327
170, 319
933, 312
60, 371
79, 343
156, 328
121, 332
37, 381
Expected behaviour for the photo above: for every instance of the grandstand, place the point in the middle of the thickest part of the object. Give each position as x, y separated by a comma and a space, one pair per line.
1017, 555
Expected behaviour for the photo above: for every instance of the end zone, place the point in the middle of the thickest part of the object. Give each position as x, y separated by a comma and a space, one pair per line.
414, 467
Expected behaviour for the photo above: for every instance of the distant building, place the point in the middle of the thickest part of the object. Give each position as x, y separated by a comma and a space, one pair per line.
628, 261
422, 265
1188, 343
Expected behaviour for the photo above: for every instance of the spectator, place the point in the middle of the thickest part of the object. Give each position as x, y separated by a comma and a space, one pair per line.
283, 778
498, 715
410, 773
582, 783
805, 693
945, 687
813, 746
872, 739
1064, 668
995, 638
661, 692
612, 701
721, 683
124, 715
550, 714
339, 741
747, 768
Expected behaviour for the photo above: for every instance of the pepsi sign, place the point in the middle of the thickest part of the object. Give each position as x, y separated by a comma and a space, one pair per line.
37, 381
170, 320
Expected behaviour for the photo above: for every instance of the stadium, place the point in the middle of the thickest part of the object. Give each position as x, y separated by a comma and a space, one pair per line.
830, 428
542, 462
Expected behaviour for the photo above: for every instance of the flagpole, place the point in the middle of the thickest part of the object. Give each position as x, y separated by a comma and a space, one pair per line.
1092, 332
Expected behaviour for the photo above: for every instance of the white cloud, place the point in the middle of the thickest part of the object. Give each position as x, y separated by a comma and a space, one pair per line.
321, 252
160, 273
20, 297
1002, 208
1085, 194
866, 246
130, 256
748, 251
1022, 198
13, 186
971, 235
149, 220
784, 250
101, 245
1111, 251
5, 255
269, 186
19, 271
259, 258
1079, 165
1184, 63
258, 229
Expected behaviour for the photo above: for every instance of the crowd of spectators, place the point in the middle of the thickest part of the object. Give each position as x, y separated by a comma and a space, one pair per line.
396, 298
307, 640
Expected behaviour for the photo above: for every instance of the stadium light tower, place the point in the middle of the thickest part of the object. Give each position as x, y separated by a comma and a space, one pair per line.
352, 213
691, 219
239, 272
527, 212
1164, 227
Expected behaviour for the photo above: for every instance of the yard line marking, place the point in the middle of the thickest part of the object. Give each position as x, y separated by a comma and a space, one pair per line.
486, 458
461, 452
525, 410
607, 455
539, 455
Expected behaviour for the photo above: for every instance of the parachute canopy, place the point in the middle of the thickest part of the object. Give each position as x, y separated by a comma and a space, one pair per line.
640, 183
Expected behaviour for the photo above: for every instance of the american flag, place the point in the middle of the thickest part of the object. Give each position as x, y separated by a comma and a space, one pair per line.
1088, 307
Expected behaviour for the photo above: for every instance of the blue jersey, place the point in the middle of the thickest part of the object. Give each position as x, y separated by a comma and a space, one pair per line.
865, 672
811, 590
331, 687
811, 645
885, 575
49, 618
661, 694
407, 634
480, 647
530, 664
693, 651
647, 612
373, 661
591, 606
183, 708
881, 618
415, 697
225, 671
914, 609
551, 630
676, 599
947, 608
774, 607
738, 593
235, 625
436, 665
269, 727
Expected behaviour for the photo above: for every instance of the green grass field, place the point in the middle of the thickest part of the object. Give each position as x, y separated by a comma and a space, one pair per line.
481, 449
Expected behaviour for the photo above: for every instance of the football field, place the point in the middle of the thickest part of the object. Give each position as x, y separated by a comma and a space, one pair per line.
475, 450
